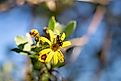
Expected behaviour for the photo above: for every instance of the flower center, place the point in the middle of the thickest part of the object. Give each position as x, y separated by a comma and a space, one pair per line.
55, 47
43, 57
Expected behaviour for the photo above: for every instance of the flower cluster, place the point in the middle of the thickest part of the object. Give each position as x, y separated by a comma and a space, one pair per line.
45, 51
49, 45
46, 48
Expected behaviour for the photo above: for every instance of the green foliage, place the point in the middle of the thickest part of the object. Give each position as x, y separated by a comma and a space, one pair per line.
21, 46
45, 77
70, 28
17, 50
52, 23
36, 49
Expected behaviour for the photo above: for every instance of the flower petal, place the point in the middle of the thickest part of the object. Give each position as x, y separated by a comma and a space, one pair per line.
27, 47
43, 39
55, 58
49, 57
29, 38
66, 43
63, 36
61, 57
20, 40
45, 51
51, 34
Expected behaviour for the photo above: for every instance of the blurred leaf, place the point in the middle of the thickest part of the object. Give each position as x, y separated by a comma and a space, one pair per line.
20, 51
37, 65
16, 50
45, 77
52, 23
36, 49
21, 46
70, 28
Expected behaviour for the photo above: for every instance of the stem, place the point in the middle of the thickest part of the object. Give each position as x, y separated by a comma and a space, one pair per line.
41, 72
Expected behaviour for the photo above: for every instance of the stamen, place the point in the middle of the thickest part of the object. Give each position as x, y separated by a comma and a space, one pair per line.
55, 47
43, 57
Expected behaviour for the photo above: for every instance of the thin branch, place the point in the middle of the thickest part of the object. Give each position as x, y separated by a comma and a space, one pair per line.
80, 42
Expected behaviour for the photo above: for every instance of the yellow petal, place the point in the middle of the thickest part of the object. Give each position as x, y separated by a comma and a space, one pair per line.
51, 34
61, 57
66, 43
55, 58
43, 39
42, 57
63, 36
49, 57
45, 51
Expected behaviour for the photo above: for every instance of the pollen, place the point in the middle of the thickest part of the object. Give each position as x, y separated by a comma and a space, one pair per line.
43, 57
55, 47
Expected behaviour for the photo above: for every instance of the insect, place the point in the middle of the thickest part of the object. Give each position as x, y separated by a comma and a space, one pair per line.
59, 41
35, 33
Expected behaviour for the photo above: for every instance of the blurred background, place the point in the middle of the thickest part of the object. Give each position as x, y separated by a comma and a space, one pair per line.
99, 20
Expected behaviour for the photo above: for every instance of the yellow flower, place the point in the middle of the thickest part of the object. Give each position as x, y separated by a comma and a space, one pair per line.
54, 53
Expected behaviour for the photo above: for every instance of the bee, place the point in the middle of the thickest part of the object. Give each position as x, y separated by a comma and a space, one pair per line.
59, 41
35, 33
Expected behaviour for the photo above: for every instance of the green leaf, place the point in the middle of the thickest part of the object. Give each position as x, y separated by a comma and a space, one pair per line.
16, 50
45, 77
20, 51
21, 46
70, 28
52, 23
36, 49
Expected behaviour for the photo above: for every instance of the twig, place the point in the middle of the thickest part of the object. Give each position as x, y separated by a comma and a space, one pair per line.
80, 42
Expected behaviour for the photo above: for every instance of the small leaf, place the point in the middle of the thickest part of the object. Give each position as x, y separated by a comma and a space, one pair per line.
36, 49
52, 23
16, 50
20, 51
21, 46
70, 28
